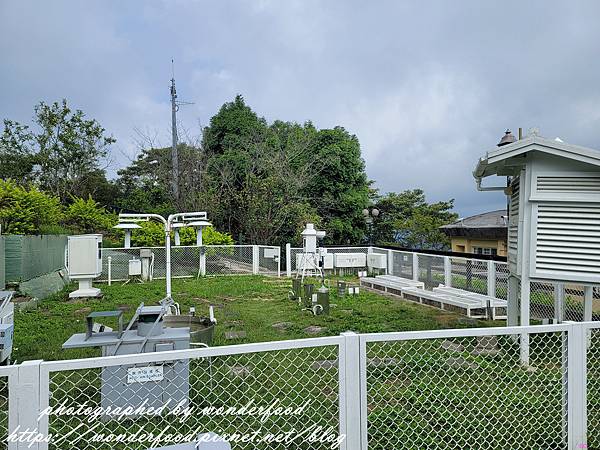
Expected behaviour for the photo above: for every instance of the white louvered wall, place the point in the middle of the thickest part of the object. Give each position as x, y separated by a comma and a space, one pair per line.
568, 240
513, 225
568, 184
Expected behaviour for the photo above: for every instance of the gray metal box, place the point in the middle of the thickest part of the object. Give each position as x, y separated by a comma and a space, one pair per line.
150, 385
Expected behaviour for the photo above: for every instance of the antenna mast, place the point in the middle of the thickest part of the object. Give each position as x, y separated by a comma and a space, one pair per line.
174, 155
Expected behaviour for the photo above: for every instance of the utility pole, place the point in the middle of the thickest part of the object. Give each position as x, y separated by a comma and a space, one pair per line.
174, 156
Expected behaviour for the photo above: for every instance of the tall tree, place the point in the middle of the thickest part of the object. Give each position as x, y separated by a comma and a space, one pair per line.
60, 155
407, 219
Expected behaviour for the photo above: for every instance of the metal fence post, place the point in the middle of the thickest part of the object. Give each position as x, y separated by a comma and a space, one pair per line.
577, 386
350, 397
415, 268
447, 271
25, 405
278, 262
288, 260
109, 261
491, 278
559, 302
390, 262
255, 259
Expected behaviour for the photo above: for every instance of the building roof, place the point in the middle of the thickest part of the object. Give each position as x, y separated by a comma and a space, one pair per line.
490, 225
501, 160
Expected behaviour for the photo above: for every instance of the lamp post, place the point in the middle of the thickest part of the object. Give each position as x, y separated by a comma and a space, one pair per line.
370, 214
168, 224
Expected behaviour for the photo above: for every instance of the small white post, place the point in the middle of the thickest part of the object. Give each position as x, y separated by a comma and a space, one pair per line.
559, 302
255, 259
109, 261
447, 271
525, 321
588, 298
25, 405
491, 278
577, 386
278, 262
127, 239
202, 261
350, 399
512, 301
415, 263
390, 262
288, 260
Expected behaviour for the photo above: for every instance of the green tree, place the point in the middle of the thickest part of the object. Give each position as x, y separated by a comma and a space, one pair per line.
407, 219
26, 210
145, 185
263, 181
87, 216
64, 150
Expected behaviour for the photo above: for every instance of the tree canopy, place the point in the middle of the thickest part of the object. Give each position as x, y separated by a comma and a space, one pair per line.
61, 155
260, 182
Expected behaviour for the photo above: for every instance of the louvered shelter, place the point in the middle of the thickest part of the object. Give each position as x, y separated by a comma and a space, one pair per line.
554, 215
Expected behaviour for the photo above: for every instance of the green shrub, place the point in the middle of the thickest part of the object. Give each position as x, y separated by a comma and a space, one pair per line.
87, 216
152, 234
27, 210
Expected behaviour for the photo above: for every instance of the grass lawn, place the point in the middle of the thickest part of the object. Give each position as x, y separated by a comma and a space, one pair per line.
420, 394
243, 303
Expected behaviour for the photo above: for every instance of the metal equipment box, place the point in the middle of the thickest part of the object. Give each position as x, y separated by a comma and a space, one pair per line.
84, 256
134, 385
347, 260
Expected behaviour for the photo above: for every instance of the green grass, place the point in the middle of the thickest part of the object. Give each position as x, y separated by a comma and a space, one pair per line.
416, 397
249, 303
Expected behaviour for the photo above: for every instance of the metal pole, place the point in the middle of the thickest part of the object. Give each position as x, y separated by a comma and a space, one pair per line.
174, 156
168, 256
109, 259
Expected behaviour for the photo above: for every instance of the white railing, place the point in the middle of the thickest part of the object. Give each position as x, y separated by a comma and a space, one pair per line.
474, 275
463, 388
193, 261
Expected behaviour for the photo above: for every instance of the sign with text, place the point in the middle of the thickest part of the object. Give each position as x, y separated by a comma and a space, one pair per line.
144, 374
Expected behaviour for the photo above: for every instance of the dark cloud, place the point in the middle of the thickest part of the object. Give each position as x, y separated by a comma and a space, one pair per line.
426, 86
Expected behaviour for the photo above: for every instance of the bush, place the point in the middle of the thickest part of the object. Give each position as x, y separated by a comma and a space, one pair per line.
152, 234
27, 210
87, 216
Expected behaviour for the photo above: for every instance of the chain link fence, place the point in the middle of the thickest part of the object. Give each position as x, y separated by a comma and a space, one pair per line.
443, 389
431, 270
465, 393
3, 408
194, 261
305, 380
593, 389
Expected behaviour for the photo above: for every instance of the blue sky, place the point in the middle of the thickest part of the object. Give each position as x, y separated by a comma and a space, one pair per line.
427, 87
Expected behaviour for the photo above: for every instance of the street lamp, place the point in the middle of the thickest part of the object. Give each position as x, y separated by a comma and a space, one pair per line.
168, 223
370, 215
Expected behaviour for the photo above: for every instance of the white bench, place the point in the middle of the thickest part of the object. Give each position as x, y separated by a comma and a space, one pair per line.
447, 302
498, 306
387, 286
402, 281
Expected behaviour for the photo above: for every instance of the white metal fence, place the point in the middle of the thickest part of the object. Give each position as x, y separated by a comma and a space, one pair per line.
474, 275
426, 389
194, 261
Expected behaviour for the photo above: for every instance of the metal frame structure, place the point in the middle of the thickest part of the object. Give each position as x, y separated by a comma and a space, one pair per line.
168, 224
